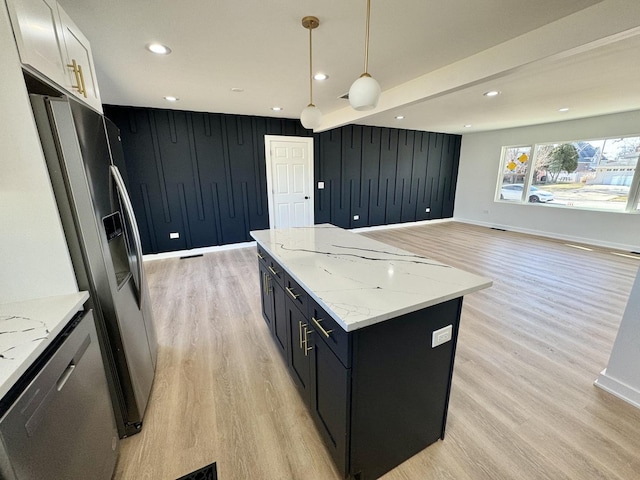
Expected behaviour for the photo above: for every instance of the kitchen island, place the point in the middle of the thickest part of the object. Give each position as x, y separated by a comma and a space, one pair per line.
368, 332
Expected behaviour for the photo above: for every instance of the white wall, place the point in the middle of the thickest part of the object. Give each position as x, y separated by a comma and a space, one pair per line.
478, 177
622, 375
34, 259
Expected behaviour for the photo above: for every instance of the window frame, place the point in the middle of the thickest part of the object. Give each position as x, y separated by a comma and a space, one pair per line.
633, 199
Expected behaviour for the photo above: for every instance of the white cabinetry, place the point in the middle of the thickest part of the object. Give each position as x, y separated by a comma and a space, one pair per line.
51, 44
38, 33
81, 74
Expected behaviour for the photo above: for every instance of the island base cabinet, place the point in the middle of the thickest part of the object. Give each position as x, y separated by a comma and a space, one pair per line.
266, 290
279, 319
298, 348
273, 307
378, 394
400, 388
330, 390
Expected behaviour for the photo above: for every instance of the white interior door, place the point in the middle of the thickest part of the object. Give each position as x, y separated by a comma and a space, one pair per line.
289, 180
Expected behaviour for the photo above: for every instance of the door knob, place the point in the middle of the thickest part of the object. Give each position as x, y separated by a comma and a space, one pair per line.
306, 197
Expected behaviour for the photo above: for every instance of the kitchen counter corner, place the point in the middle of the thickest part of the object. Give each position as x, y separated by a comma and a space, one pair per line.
27, 328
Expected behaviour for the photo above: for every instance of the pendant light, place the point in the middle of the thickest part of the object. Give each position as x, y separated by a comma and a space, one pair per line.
365, 91
311, 116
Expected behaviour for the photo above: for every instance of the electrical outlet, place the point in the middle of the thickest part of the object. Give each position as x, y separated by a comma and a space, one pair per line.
427, 210
174, 235
356, 217
441, 336
320, 185
485, 211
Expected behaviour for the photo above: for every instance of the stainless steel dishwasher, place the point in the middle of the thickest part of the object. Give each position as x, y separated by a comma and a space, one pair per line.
61, 425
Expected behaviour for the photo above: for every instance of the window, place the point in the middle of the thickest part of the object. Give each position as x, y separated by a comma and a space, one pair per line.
597, 174
515, 161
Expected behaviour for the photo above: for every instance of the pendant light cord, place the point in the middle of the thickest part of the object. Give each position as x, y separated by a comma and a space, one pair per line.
310, 67
366, 39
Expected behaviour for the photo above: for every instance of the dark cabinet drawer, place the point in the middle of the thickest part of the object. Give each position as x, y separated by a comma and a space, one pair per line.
263, 256
273, 267
327, 329
276, 270
297, 294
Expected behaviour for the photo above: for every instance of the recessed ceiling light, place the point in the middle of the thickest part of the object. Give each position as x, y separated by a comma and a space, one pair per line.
171, 99
320, 76
237, 90
563, 109
276, 109
468, 125
491, 93
158, 48
399, 117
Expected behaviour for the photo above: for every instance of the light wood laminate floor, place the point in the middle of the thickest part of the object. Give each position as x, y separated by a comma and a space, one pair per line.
523, 404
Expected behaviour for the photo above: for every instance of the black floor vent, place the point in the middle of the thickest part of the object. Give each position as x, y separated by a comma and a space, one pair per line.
205, 473
191, 256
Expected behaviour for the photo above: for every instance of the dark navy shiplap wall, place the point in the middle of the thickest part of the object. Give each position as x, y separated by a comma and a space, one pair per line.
203, 175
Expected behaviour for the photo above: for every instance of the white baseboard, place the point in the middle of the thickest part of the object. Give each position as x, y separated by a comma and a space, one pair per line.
231, 246
401, 225
555, 236
568, 238
621, 390
197, 251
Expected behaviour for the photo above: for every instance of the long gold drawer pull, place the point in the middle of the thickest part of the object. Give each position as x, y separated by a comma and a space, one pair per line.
260, 256
272, 270
264, 283
317, 323
307, 348
300, 334
290, 291
76, 72
84, 88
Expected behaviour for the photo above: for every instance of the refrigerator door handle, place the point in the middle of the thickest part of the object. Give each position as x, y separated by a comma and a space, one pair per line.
128, 208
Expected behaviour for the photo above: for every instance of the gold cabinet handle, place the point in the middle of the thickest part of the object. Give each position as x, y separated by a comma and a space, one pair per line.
290, 291
266, 284
77, 72
84, 88
300, 333
317, 324
260, 256
307, 348
272, 270
74, 66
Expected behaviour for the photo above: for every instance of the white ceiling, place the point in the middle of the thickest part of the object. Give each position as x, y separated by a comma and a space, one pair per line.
433, 59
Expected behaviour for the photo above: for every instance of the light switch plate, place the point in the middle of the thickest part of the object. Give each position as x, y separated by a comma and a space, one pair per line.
441, 336
356, 217
173, 235
320, 185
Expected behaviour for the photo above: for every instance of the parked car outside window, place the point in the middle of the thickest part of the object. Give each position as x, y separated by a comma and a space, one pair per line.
514, 192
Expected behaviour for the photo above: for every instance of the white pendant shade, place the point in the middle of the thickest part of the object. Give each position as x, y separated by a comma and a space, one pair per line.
364, 93
311, 117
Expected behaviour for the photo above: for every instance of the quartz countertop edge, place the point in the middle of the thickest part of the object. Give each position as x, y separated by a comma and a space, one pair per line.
27, 328
324, 255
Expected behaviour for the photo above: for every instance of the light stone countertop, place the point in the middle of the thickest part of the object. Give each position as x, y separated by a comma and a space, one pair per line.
27, 328
360, 281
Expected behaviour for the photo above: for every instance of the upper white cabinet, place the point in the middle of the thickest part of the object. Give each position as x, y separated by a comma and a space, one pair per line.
81, 74
38, 33
50, 43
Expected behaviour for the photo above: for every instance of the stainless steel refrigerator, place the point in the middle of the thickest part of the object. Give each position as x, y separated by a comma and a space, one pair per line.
86, 165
